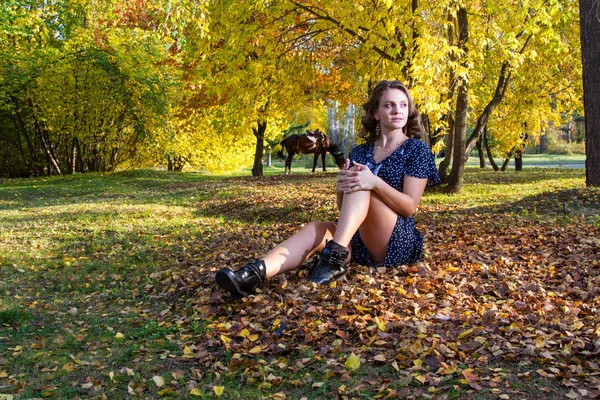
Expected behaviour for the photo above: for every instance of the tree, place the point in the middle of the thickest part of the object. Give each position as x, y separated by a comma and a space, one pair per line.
589, 12
209, 82
76, 95
259, 66
411, 42
455, 180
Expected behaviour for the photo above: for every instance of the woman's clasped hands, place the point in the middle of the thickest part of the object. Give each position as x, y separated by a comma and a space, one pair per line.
356, 178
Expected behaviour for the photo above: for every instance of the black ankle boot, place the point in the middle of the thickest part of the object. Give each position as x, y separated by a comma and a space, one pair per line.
331, 264
245, 280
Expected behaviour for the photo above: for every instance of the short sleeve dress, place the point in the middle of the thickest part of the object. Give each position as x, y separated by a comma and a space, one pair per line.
412, 158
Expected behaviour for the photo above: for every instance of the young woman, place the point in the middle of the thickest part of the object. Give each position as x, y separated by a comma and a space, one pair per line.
378, 191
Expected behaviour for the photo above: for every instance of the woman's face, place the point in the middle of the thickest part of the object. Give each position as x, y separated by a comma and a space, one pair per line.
392, 112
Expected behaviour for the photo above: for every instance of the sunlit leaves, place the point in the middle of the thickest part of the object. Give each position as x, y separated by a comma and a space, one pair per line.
137, 81
86, 96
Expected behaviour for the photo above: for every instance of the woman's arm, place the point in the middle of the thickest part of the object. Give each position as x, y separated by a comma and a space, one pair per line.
406, 202
360, 177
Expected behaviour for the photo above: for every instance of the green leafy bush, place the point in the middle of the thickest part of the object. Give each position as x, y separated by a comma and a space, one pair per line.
566, 148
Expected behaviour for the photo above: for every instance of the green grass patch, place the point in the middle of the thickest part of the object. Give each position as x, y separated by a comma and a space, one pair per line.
13, 317
545, 160
106, 290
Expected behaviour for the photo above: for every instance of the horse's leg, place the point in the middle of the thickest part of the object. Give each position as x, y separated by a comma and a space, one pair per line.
288, 164
315, 161
323, 154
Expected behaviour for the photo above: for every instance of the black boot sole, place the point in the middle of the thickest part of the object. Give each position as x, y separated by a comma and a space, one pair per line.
324, 280
226, 280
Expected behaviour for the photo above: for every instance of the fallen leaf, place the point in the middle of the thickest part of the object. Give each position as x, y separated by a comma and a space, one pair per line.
187, 352
353, 362
572, 395
244, 333
159, 380
380, 324
432, 361
464, 334
219, 390
68, 367
255, 350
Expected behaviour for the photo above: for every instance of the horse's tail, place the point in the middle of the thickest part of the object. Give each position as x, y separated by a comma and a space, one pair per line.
282, 144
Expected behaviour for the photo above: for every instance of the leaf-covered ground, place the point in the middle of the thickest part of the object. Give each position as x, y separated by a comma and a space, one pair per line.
106, 290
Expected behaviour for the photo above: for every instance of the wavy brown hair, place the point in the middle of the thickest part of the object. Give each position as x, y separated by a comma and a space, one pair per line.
414, 126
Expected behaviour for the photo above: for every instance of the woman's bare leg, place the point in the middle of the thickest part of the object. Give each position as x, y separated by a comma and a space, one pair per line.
363, 211
366, 212
294, 251
355, 208
377, 228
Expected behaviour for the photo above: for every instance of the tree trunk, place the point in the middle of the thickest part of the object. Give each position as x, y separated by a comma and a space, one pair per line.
443, 168
426, 126
455, 180
589, 14
79, 164
488, 151
33, 150
506, 161
114, 157
449, 116
333, 122
501, 87
543, 143
519, 149
18, 143
259, 132
503, 83
456, 177
48, 148
73, 157
519, 160
481, 155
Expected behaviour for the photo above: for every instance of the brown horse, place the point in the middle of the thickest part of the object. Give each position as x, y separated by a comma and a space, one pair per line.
311, 142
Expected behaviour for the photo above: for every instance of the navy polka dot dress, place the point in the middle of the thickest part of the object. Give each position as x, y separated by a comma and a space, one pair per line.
412, 158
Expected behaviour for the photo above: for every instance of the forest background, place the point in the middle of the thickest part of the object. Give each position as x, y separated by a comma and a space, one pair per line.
91, 85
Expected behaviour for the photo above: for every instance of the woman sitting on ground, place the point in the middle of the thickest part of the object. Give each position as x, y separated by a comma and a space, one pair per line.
378, 191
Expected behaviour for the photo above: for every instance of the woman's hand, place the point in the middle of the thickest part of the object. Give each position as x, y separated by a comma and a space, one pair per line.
356, 178
342, 173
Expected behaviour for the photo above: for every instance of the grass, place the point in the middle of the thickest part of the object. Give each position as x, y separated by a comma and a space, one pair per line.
105, 282
537, 160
